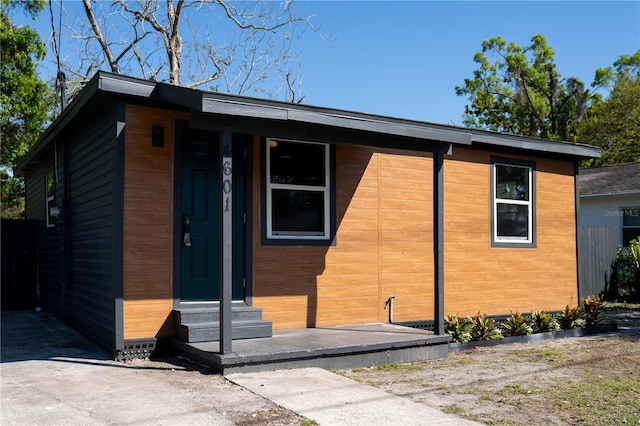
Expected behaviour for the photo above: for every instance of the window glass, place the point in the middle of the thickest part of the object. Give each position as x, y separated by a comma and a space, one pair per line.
630, 225
298, 188
297, 212
50, 202
297, 163
513, 205
512, 182
513, 220
50, 185
631, 217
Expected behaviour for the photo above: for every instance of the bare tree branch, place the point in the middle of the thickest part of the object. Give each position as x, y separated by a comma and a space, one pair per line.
96, 29
249, 47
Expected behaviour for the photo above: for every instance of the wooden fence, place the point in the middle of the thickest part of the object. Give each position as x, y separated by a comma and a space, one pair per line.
596, 252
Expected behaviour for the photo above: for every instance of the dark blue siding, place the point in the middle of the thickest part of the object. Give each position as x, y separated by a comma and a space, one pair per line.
89, 299
80, 285
49, 248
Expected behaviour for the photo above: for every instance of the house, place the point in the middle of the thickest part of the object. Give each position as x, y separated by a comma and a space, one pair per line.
610, 197
609, 217
158, 203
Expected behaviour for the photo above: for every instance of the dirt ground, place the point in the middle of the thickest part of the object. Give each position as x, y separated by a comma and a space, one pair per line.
584, 380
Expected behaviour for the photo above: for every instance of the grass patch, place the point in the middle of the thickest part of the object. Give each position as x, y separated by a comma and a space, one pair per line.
545, 354
398, 367
614, 400
453, 409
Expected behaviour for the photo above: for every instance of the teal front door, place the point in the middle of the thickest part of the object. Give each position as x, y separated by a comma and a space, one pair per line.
201, 220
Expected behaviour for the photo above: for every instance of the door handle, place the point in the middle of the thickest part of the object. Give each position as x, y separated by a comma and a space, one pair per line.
186, 232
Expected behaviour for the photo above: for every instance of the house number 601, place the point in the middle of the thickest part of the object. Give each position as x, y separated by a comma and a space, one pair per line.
226, 183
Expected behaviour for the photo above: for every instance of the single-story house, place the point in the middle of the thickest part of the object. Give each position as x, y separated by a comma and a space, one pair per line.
156, 203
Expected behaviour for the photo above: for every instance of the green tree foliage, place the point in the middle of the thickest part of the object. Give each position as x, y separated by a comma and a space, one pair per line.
614, 123
23, 110
521, 92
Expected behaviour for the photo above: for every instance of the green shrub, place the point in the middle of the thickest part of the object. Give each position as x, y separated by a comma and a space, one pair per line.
459, 328
543, 321
517, 325
484, 328
571, 318
626, 272
591, 307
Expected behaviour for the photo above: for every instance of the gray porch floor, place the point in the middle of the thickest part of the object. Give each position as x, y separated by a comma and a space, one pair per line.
325, 347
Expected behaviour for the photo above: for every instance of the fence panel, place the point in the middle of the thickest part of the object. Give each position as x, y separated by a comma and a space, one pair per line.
596, 252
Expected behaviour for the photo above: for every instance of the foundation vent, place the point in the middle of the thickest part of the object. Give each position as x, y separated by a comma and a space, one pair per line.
136, 349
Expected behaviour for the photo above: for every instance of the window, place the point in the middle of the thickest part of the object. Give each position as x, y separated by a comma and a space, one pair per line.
630, 224
297, 190
513, 203
50, 202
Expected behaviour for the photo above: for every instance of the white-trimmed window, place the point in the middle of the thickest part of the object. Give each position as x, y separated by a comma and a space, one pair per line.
513, 203
297, 190
630, 224
50, 199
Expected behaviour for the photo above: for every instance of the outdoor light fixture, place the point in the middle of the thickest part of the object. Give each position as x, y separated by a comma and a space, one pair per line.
157, 136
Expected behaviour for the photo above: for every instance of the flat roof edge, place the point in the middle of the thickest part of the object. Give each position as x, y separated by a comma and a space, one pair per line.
537, 145
214, 104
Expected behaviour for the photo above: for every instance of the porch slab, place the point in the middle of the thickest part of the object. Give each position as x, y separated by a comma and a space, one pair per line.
348, 346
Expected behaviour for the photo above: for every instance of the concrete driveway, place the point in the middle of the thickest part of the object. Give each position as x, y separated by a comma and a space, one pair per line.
51, 375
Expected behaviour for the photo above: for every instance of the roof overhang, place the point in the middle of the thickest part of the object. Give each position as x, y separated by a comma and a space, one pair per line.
419, 135
480, 137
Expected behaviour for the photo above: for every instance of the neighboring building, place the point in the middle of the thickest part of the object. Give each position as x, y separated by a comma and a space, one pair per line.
155, 202
609, 217
610, 197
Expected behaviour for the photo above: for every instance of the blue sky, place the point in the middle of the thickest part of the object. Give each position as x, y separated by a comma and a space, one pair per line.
404, 59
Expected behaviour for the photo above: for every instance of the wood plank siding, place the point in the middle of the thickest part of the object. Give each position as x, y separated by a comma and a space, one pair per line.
148, 223
497, 280
384, 247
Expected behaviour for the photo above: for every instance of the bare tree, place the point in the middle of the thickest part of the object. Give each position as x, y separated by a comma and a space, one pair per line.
236, 47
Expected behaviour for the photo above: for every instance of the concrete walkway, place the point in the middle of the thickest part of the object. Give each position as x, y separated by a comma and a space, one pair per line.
331, 399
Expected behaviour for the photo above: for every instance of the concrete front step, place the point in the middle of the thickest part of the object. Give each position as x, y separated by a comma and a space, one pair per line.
201, 324
210, 331
212, 314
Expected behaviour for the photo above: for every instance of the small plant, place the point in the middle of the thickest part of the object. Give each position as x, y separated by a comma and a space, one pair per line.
592, 308
544, 322
517, 325
571, 318
459, 328
484, 328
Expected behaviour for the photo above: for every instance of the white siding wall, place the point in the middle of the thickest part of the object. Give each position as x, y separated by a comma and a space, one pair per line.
606, 211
